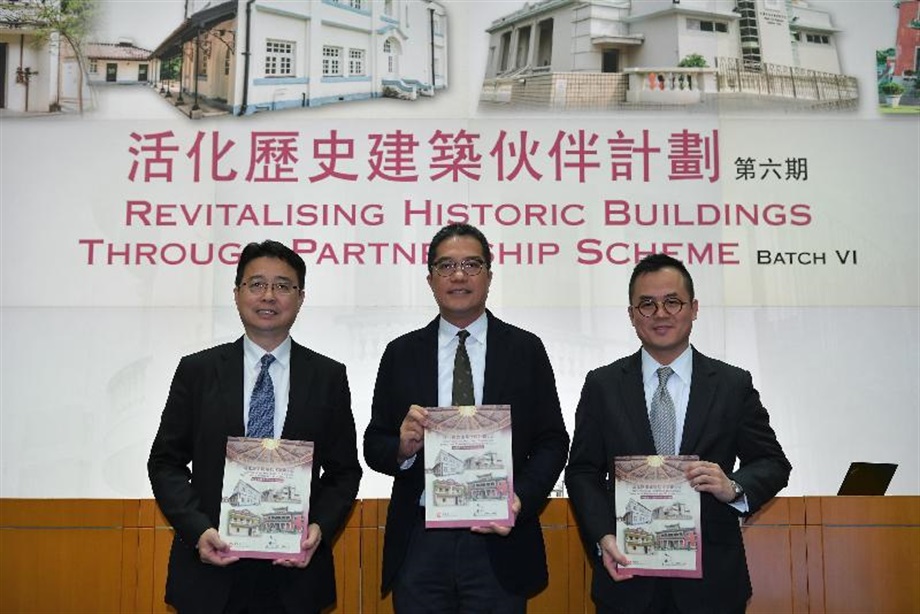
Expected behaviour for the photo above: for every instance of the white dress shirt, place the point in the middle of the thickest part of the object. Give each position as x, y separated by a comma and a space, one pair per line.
447, 350
678, 387
280, 371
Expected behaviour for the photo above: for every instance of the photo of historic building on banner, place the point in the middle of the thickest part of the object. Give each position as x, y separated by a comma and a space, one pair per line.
120, 63
248, 56
568, 54
29, 59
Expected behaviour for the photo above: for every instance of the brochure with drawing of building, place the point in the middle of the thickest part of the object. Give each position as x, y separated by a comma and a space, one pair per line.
658, 516
265, 498
468, 466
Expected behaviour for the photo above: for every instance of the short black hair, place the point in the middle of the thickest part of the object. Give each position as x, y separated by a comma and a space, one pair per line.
459, 230
271, 249
656, 262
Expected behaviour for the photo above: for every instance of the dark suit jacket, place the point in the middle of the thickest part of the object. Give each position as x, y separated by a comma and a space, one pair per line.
204, 407
517, 372
725, 420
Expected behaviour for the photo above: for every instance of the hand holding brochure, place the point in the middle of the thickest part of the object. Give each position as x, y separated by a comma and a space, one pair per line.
468, 466
266, 496
658, 516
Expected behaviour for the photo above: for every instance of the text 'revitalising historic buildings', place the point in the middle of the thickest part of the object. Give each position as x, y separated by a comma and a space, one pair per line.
263, 55
607, 53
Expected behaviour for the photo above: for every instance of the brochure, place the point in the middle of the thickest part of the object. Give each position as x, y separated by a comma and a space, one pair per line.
658, 516
468, 467
266, 496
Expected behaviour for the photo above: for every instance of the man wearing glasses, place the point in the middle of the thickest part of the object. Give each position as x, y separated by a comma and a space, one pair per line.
488, 568
668, 398
262, 385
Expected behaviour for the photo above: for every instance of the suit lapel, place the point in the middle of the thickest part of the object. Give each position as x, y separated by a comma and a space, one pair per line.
424, 374
498, 356
230, 387
635, 403
425, 359
702, 392
300, 381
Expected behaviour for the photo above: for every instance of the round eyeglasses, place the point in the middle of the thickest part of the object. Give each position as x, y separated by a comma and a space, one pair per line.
446, 268
671, 305
259, 288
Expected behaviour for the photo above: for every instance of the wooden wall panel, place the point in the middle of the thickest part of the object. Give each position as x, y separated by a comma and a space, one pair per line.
579, 571
806, 554
771, 570
871, 554
347, 553
768, 533
800, 586
554, 598
815, 565
865, 568
137, 570
372, 529
61, 570
162, 542
67, 513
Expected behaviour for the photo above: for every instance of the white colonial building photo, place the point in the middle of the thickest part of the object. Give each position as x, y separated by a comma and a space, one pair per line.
265, 55
606, 53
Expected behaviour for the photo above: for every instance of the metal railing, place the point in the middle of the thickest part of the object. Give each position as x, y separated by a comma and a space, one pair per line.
784, 81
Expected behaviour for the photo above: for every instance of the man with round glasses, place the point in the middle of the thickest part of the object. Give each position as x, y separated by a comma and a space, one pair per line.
489, 568
261, 385
668, 398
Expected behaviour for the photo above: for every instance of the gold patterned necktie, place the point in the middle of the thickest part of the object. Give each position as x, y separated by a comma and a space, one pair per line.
463, 374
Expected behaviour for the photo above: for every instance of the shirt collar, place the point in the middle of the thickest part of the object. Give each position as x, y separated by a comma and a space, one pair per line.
253, 353
477, 330
682, 366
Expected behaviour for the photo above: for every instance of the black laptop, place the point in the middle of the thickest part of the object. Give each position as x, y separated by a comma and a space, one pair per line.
867, 479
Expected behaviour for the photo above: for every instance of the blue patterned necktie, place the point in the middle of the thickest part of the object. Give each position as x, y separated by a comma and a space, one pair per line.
663, 417
262, 404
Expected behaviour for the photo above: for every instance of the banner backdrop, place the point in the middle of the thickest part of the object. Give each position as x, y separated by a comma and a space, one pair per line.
121, 229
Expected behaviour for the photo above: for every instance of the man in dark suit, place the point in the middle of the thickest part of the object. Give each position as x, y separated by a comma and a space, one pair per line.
488, 568
209, 400
716, 415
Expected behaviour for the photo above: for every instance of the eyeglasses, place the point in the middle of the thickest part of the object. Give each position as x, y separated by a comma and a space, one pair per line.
259, 287
446, 268
671, 305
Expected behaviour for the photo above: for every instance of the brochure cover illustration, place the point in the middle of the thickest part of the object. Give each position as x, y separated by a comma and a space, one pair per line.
265, 497
658, 516
468, 466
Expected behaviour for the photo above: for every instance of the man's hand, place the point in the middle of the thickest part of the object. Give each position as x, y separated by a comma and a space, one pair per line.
709, 477
412, 433
497, 529
308, 546
613, 559
213, 550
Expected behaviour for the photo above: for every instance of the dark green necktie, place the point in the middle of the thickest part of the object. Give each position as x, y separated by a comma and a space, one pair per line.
463, 374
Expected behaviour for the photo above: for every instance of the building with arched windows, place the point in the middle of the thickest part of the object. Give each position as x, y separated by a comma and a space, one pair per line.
262, 55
